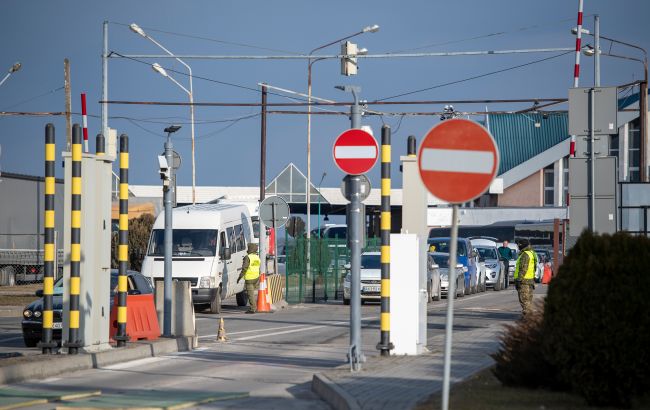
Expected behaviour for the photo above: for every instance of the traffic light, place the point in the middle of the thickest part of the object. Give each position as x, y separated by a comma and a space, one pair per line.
349, 64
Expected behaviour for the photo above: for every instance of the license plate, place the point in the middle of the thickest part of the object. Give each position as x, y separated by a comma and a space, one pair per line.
57, 325
372, 289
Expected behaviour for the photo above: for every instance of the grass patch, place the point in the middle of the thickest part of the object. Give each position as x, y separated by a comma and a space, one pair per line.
484, 392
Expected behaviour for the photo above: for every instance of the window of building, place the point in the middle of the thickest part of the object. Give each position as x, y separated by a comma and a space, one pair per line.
549, 185
634, 154
565, 180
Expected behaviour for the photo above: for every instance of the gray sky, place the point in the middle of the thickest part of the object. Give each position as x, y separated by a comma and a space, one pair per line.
41, 34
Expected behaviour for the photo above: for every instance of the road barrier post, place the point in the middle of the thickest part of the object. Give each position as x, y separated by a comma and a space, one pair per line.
123, 242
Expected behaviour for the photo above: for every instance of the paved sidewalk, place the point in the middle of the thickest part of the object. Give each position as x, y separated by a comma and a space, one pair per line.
401, 382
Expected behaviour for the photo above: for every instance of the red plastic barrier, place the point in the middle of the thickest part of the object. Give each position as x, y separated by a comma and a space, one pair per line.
547, 274
141, 318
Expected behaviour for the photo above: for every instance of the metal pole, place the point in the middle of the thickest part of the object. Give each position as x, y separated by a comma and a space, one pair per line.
75, 242
576, 71
192, 125
592, 140
597, 53
451, 294
49, 247
355, 355
105, 81
308, 182
123, 247
68, 103
262, 243
643, 116
355, 111
384, 344
167, 193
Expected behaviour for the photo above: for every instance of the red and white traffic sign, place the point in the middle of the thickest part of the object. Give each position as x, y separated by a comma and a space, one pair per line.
458, 159
355, 151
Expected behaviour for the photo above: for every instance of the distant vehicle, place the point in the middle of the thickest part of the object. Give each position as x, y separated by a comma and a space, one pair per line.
545, 257
487, 250
209, 245
20, 266
442, 260
434, 283
465, 255
370, 278
32, 323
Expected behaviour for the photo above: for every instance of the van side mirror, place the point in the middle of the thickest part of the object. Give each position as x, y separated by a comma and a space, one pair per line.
226, 254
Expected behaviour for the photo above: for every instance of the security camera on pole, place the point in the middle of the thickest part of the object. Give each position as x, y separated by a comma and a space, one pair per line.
355, 153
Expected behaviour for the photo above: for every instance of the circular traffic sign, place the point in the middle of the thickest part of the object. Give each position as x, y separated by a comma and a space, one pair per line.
364, 188
355, 152
458, 159
274, 212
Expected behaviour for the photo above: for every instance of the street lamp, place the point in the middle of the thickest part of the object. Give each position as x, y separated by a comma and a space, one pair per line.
12, 69
138, 30
368, 29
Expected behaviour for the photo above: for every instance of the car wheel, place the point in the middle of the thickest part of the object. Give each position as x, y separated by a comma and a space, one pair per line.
467, 290
30, 342
429, 291
437, 296
462, 294
242, 298
346, 301
215, 303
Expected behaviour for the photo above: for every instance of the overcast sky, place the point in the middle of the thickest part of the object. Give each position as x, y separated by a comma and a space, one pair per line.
40, 34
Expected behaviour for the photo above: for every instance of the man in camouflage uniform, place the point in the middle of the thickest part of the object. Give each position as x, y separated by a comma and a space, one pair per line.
250, 272
525, 275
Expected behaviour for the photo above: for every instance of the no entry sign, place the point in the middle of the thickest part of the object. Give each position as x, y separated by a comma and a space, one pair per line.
355, 152
458, 160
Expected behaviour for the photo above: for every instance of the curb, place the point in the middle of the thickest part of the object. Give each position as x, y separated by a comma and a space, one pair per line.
49, 366
335, 396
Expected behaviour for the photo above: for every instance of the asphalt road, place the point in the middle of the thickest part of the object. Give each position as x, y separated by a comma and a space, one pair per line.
270, 356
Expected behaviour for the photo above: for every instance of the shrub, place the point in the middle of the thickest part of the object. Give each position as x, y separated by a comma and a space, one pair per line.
596, 325
519, 361
139, 232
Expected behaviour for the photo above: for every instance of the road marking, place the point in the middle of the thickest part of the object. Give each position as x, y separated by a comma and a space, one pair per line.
11, 338
134, 363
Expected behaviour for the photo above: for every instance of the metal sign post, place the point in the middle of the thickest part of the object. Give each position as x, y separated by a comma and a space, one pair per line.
451, 294
355, 354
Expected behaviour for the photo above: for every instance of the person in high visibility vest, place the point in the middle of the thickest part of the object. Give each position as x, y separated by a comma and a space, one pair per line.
525, 275
250, 272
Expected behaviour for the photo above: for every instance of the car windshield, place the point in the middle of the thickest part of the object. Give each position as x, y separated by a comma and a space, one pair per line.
370, 262
441, 260
442, 245
487, 253
185, 242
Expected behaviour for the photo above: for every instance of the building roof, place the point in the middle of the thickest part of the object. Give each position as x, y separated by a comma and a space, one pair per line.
519, 139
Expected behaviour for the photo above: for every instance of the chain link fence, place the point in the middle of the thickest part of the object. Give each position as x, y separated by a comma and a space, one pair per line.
21, 259
324, 280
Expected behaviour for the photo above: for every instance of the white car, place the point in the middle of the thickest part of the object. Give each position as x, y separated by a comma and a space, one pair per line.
489, 257
370, 278
442, 260
434, 291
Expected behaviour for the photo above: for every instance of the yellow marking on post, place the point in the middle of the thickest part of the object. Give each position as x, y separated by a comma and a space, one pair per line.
124, 191
49, 219
385, 221
385, 288
50, 152
49, 185
48, 286
76, 152
75, 217
123, 253
75, 252
121, 314
74, 319
121, 283
76, 185
124, 160
385, 186
385, 153
385, 322
411, 155
49, 252
75, 285
100, 154
124, 222
48, 317
385, 254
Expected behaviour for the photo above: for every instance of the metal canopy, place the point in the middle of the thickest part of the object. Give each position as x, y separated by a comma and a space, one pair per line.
291, 184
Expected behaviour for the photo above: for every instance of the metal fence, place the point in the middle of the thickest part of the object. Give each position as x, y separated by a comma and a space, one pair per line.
324, 280
21, 259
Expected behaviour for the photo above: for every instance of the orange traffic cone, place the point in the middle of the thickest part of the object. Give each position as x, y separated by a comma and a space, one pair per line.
547, 274
263, 304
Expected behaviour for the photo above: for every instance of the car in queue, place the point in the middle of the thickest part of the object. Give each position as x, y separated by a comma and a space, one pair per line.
370, 279
442, 260
488, 255
465, 256
32, 322
434, 283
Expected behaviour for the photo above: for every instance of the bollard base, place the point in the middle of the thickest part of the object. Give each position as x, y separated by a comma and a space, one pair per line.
47, 346
73, 347
385, 348
121, 340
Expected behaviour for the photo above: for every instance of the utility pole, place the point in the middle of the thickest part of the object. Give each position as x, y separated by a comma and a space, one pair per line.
105, 81
262, 227
167, 199
68, 104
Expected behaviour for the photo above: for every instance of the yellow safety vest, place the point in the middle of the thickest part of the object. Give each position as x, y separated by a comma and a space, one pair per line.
530, 269
253, 271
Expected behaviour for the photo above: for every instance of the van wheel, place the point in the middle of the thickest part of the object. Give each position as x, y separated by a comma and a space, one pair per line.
242, 298
215, 303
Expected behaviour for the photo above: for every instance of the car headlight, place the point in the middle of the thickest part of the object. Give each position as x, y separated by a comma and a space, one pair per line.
444, 276
28, 313
206, 282
37, 313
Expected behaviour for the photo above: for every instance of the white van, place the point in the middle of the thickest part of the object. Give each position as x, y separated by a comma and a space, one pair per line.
209, 244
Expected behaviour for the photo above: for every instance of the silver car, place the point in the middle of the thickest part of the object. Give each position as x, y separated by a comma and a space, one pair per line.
442, 260
433, 279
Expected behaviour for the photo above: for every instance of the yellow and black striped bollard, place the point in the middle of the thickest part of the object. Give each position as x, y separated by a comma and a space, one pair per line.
123, 242
384, 344
49, 246
100, 145
75, 242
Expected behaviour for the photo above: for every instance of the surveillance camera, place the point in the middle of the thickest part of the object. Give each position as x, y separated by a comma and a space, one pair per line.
163, 169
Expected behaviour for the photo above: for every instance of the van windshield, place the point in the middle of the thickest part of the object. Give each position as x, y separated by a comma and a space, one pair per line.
185, 242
